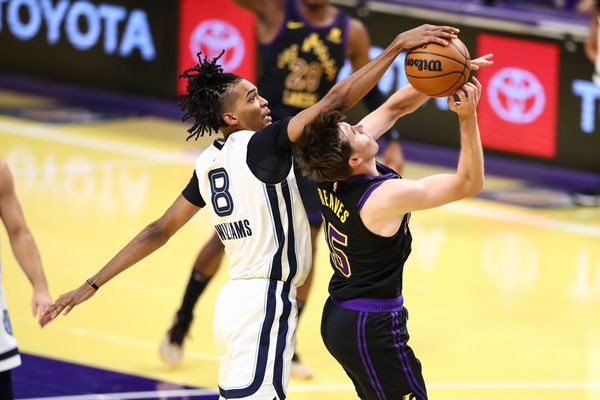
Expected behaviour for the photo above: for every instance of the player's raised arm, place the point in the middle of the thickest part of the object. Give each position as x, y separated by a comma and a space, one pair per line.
350, 90
398, 197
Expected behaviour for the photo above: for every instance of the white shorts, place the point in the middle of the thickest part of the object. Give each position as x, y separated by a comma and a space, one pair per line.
9, 353
255, 333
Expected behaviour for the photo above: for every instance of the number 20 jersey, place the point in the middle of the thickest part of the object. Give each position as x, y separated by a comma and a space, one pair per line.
366, 265
303, 61
263, 226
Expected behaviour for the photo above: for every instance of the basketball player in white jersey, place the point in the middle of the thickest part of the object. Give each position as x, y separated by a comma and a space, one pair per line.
248, 182
28, 258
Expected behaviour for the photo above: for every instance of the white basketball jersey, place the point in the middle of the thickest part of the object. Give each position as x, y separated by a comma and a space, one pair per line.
263, 226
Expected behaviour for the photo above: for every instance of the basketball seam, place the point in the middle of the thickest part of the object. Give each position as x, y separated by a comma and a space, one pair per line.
435, 76
457, 49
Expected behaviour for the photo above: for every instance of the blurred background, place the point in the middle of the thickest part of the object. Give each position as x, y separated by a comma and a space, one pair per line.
503, 289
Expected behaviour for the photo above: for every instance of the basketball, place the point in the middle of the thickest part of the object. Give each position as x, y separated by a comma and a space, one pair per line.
437, 70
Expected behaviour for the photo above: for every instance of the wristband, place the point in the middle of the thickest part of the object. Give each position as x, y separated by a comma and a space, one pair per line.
92, 284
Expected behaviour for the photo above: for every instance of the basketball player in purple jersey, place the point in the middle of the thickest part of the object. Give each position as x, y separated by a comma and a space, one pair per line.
366, 207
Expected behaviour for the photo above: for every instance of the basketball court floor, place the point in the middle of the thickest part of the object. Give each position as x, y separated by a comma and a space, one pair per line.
504, 300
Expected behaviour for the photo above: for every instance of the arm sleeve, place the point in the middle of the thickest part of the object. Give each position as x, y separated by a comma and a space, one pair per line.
192, 192
374, 99
270, 152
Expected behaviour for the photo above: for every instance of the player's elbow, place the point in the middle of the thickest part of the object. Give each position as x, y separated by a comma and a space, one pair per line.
158, 232
473, 186
336, 100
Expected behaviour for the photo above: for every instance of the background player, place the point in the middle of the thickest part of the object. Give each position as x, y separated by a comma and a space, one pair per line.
303, 45
247, 179
366, 207
27, 255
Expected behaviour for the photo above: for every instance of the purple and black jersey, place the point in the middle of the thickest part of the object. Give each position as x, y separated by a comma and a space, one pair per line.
302, 63
365, 264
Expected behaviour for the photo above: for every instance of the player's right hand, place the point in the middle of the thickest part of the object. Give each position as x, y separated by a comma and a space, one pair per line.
66, 302
428, 34
468, 95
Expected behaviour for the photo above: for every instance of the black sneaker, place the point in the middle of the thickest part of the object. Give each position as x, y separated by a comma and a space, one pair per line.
588, 197
299, 370
171, 347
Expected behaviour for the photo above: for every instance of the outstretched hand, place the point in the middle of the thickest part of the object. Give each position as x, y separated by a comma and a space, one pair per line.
468, 96
66, 302
40, 301
428, 34
482, 61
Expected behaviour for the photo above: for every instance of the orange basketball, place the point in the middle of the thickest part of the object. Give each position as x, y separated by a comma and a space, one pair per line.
437, 70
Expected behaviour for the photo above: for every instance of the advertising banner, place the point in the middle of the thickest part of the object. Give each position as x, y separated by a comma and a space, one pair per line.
539, 102
205, 26
110, 44
518, 110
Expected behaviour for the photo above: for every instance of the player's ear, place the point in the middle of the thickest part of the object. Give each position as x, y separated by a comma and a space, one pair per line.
230, 119
354, 160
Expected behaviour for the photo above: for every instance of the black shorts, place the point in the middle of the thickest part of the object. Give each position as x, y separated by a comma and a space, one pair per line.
310, 198
372, 348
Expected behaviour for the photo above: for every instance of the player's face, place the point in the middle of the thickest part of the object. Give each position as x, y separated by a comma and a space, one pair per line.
362, 144
250, 109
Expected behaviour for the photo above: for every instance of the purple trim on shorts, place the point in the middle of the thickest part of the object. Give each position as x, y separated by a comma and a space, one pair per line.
370, 305
400, 348
364, 355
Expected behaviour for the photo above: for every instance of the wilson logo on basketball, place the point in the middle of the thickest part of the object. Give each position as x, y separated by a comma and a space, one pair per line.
425, 65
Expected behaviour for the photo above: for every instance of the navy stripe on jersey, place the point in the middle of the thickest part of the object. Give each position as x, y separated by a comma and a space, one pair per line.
276, 272
282, 341
219, 143
263, 349
291, 249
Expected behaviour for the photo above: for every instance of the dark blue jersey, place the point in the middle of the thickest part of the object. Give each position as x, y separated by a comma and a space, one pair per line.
365, 264
302, 63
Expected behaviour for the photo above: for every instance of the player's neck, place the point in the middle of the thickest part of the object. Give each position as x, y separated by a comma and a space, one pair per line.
318, 15
366, 168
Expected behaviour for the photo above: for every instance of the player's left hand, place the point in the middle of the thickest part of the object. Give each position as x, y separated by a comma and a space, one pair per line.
66, 302
482, 61
40, 301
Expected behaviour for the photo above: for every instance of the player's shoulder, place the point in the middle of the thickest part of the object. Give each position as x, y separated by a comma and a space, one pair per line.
358, 36
357, 27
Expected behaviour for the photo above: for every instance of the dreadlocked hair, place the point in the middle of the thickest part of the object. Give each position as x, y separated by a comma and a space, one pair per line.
206, 84
323, 153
